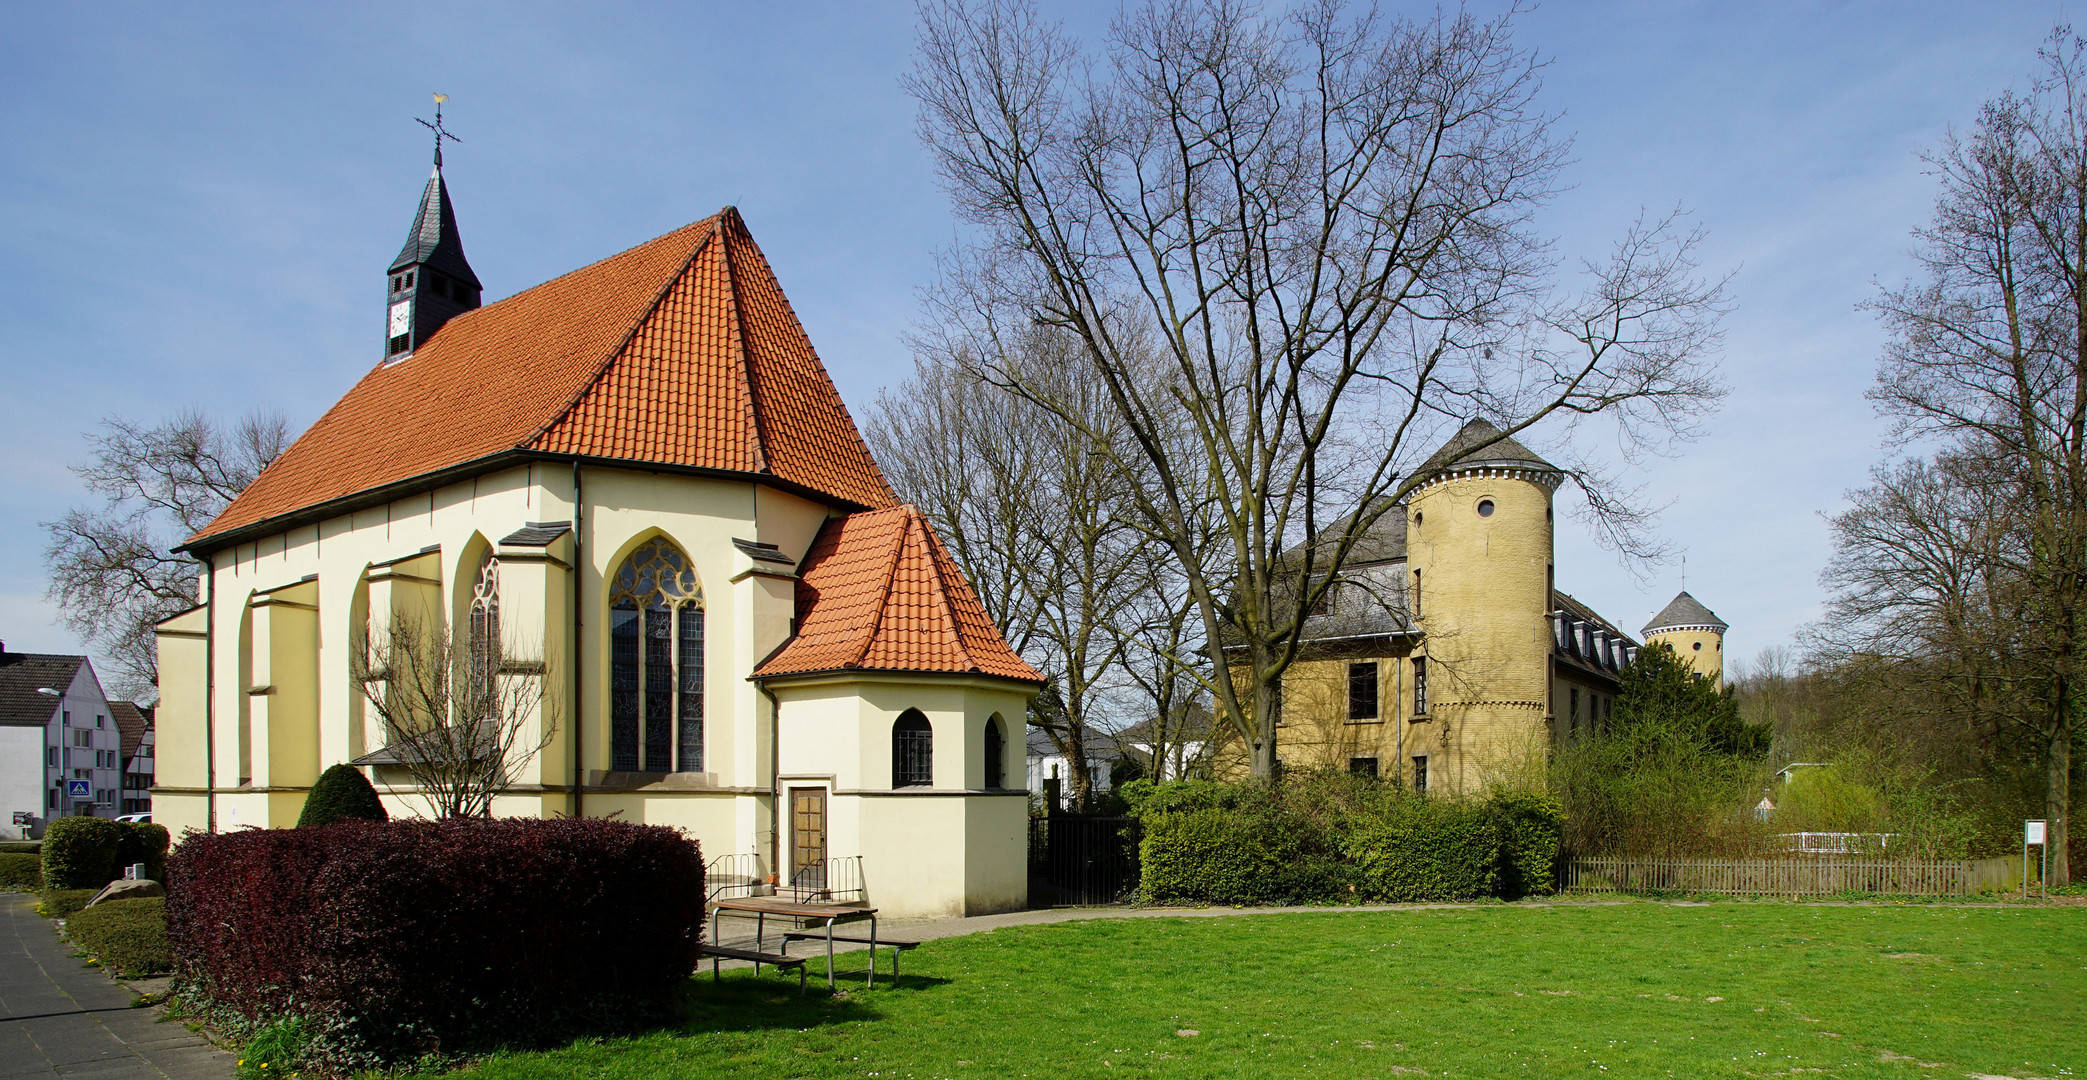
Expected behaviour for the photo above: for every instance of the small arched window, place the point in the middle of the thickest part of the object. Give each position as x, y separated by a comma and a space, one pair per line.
996, 753
912, 751
656, 663
482, 649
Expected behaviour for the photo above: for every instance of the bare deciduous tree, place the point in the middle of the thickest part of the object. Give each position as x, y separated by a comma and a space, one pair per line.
1290, 250
1988, 358
113, 574
459, 717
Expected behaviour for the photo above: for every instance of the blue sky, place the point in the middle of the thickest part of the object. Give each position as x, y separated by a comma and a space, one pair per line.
197, 207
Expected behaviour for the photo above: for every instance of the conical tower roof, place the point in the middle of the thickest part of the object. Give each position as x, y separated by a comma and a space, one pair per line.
434, 240
1684, 610
1480, 445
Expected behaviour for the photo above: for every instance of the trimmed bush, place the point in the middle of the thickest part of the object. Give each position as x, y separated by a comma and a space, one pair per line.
80, 852
1428, 849
128, 937
1532, 827
146, 843
21, 847
63, 903
342, 793
1220, 856
398, 939
20, 872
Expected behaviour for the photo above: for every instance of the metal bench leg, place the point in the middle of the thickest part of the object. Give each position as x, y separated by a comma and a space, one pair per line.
872, 980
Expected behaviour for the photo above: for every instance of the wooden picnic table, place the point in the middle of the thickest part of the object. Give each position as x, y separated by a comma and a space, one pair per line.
760, 907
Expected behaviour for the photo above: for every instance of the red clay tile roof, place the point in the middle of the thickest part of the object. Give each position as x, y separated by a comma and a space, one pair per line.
880, 593
680, 351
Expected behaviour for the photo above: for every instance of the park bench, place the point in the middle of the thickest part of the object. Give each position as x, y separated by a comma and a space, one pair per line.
896, 947
718, 953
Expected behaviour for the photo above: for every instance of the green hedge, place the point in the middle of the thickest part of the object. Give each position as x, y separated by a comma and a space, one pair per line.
64, 903
88, 853
21, 847
342, 793
1337, 838
128, 937
80, 852
20, 873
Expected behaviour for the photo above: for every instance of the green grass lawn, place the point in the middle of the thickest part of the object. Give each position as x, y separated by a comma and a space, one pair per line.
1627, 990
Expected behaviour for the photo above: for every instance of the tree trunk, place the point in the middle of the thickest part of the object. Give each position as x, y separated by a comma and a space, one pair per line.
2058, 797
1268, 713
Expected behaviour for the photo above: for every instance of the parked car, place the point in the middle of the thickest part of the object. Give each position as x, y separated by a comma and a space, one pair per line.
142, 819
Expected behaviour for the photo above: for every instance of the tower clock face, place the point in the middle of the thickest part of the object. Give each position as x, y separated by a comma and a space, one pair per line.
401, 318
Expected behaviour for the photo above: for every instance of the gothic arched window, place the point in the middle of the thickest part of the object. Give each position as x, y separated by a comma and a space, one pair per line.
482, 648
912, 751
996, 753
656, 663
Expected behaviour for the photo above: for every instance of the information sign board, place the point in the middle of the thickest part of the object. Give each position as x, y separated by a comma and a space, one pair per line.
2033, 832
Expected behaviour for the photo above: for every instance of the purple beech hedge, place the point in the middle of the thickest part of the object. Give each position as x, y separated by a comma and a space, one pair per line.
402, 938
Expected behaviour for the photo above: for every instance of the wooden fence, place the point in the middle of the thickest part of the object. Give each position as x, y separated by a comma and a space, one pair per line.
1793, 875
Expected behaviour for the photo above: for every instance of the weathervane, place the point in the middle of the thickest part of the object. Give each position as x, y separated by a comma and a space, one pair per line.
441, 133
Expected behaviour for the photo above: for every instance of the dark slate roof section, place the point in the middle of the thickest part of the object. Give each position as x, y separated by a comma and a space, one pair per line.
1464, 451
1566, 603
760, 552
20, 676
1684, 610
132, 722
537, 534
434, 240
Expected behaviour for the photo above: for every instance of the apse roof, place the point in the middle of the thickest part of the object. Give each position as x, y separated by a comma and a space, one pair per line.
1684, 610
879, 592
680, 352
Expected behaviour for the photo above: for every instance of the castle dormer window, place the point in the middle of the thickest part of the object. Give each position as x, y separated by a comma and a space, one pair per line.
1485, 508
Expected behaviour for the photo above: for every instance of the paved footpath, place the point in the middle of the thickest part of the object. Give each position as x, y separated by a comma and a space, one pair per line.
59, 1017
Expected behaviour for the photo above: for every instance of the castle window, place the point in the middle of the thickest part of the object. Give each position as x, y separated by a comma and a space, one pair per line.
1420, 686
656, 663
1575, 721
996, 754
1485, 508
1416, 592
1698, 646
912, 751
1362, 690
1362, 766
1420, 773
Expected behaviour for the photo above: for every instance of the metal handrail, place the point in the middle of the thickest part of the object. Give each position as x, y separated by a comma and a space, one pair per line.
739, 874
836, 880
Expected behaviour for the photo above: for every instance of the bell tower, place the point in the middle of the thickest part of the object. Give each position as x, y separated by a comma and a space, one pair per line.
430, 282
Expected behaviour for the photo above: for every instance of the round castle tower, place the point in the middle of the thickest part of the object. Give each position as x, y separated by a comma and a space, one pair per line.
1478, 534
1694, 632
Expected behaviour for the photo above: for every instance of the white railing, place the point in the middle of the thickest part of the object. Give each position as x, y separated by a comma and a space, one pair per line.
1786, 875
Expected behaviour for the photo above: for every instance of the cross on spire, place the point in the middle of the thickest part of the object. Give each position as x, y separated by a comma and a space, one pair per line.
441, 132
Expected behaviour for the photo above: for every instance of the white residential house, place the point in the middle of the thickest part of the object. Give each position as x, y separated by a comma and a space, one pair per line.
1050, 770
60, 748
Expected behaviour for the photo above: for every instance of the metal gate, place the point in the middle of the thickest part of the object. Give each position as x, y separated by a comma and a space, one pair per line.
1080, 860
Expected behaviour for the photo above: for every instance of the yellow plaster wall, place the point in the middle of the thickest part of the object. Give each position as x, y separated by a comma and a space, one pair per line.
1702, 650
1485, 591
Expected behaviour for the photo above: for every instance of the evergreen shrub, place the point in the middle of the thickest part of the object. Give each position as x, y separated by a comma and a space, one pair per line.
20, 872
80, 852
1333, 837
342, 793
63, 903
128, 937
398, 939
143, 842
22, 847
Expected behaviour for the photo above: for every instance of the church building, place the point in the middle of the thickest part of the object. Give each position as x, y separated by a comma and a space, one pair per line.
633, 498
1446, 656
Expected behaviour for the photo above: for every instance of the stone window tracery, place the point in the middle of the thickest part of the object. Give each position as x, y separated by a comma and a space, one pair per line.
656, 662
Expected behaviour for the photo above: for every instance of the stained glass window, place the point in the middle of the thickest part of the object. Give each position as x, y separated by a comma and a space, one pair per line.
656, 663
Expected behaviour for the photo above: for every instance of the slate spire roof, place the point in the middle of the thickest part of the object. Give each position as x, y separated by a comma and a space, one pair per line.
879, 592
1463, 451
1684, 610
434, 239
681, 352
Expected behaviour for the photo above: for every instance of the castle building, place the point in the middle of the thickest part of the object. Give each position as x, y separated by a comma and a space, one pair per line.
1446, 656
632, 499
1694, 632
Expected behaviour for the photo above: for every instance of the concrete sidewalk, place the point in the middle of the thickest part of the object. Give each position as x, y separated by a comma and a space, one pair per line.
59, 1017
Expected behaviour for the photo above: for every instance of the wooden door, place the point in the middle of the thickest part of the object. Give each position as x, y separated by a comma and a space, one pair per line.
808, 837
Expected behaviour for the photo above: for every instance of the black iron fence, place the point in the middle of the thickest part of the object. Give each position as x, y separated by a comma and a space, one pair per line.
1075, 859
